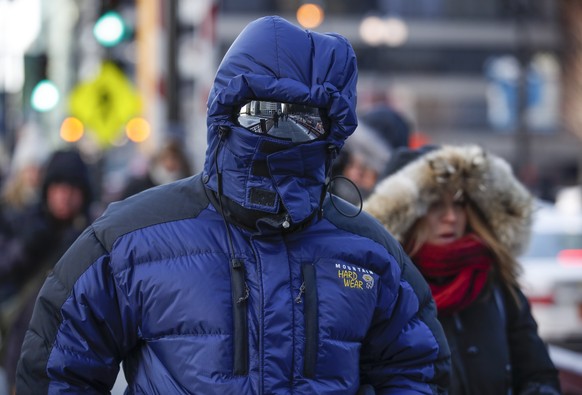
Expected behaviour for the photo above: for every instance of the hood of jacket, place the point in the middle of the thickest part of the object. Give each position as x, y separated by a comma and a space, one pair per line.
275, 60
487, 180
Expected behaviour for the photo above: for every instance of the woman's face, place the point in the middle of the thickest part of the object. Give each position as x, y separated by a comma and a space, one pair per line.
446, 220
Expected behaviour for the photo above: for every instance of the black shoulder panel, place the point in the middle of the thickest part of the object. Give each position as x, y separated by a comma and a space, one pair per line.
363, 224
181, 199
165, 203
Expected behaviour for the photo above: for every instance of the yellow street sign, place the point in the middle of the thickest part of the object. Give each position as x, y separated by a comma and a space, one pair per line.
105, 104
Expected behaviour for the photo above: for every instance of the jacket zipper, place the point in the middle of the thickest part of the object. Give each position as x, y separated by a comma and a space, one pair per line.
240, 295
309, 291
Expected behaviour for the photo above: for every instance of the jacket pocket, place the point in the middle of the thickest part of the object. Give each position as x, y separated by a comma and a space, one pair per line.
310, 313
240, 294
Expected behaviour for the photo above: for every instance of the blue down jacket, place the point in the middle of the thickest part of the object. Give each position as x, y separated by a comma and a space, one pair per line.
200, 287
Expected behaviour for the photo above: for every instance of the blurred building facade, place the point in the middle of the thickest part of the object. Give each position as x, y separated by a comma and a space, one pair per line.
464, 72
499, 73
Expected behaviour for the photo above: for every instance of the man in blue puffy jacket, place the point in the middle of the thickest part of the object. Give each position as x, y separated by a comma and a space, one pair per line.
247, 278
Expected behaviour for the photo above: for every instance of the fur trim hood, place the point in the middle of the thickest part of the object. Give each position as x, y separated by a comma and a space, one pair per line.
485, 179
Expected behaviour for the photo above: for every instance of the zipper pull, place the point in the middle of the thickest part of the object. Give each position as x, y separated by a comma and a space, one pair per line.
245, 296
236, 263
301, 292
286, 224
238, 266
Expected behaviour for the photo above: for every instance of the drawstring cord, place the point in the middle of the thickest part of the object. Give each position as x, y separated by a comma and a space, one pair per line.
329, 182
298, 298
361, 205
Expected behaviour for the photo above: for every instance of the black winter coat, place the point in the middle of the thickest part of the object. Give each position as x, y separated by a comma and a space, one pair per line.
496, 350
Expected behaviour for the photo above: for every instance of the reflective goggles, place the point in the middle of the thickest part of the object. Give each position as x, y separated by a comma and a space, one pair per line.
292, 122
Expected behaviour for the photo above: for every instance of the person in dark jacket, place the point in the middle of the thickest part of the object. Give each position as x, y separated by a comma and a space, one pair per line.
33, 240
364, 157
169, 164
244, 279
463, 218
391, 125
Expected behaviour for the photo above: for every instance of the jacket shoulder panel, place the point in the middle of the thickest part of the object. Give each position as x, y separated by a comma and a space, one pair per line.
47, 318
182, 199
363, 224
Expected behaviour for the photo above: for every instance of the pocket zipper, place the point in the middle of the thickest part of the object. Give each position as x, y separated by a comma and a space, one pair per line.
240, 295
310, 313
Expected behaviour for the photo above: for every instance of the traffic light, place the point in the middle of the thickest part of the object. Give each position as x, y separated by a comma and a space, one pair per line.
110, 29
45, 96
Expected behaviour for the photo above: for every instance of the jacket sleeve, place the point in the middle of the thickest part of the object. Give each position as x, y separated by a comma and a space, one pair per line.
405, 348
533, 370
79, 330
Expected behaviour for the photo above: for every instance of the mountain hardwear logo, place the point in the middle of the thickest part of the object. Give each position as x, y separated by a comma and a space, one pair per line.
354, 276
369, 281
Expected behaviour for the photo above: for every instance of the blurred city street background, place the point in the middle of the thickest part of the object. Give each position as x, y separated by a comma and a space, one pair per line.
120, 79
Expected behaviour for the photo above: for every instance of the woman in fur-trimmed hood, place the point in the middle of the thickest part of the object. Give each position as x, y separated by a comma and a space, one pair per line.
463, 217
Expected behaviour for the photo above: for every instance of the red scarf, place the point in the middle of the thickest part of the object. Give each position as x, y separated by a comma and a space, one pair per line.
456, 272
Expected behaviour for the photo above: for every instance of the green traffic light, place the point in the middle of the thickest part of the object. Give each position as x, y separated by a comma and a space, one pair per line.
45, 96
109, 29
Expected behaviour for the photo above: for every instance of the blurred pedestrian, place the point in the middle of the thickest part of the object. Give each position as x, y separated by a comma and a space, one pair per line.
463, 217
243, 279
363, 161
22, 185
391, 125
169, 164
366, 153
34, 240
